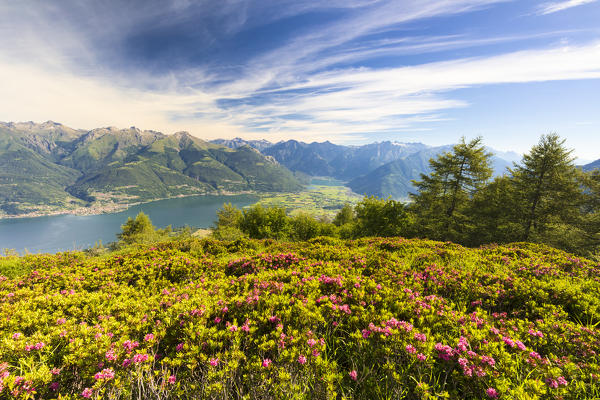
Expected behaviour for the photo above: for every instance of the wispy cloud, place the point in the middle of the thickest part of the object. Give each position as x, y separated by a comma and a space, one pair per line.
549, 8
311, 84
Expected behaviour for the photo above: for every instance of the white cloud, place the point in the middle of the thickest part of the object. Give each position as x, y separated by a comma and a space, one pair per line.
297, 98
550, 8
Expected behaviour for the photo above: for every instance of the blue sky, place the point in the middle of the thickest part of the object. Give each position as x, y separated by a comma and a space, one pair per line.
348, 71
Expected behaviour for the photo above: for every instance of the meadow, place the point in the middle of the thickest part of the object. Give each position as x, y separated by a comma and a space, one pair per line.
327, 318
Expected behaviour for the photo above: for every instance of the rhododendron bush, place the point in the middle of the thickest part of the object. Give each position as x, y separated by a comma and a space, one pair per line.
371, 318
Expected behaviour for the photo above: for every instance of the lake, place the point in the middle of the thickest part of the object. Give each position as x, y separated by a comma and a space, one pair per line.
74, 232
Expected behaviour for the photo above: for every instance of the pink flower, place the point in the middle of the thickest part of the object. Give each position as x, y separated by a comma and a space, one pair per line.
266, 362
54, 386
39, 345
110, 355
311, 342
87, 393
233, 328
179, 347
171, 379
562, 381
106, 373
420, 337
508, 341
130, 345
149, 337
316, 353
411, 349
16, 335
61, 321
139, 358
552, 383
214, 362
421, 357
492, 393
55, 371
126, 362
302, 360
353, 374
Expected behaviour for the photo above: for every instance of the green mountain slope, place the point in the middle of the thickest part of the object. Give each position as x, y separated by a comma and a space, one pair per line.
29, 180
49, 167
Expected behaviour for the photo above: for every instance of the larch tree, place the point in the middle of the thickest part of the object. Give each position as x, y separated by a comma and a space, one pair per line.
446, 192
548, 186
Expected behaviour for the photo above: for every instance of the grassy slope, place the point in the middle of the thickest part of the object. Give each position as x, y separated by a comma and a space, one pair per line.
412, 318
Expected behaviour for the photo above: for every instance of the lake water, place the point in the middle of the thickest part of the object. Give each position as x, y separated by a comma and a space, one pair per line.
73, 232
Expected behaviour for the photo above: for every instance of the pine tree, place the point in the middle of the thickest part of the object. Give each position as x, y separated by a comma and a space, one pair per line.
547, 186
444, 195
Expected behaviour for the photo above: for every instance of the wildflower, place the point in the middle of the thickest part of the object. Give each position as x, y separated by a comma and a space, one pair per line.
179, 347
126, 362
233, 328
139, 358
562, 381
492, 393
353, 375
302, 359
551, 383
130, 345
411, 349
87, 393
311, 342
149, 337
61, 321
54, 386
266, 362
421, 357
106, 373
214, 362
316, 353
421, 337
16, 335
488, 360
110, 355
171, 379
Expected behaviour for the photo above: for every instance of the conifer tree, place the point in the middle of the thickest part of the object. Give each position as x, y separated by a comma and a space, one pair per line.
547, 187
444, 195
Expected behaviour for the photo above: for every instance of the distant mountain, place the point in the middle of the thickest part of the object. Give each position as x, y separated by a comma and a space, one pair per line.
47, 167
234, 143
394, 178
380, 169
342, 162
591, 166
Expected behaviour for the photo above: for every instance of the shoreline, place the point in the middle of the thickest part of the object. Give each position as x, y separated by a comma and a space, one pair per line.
115, 208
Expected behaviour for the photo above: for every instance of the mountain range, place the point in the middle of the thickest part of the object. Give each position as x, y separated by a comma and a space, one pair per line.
50, 167
47, 167
382, 169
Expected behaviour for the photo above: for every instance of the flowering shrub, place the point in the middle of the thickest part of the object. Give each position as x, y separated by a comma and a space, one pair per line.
324, 319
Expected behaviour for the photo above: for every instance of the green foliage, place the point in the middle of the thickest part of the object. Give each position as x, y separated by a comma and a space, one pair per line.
322, 319
379, 217
444, 195
344, 216
265, 223
547, 186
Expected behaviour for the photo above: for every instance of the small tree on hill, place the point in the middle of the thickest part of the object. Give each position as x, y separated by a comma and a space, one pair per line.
547, 186
380, 217
444, 195
136, 229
